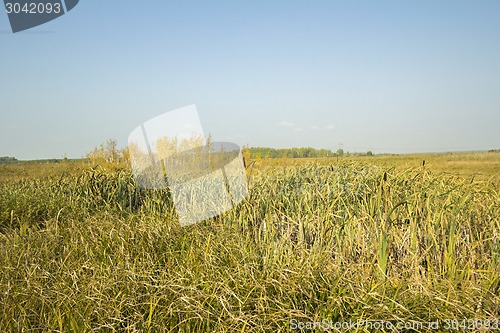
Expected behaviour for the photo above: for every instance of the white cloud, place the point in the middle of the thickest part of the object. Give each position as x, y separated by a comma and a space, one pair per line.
299, 129
330, 127
285, 123
314, 127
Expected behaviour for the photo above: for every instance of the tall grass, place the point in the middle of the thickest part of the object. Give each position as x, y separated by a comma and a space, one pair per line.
310, 242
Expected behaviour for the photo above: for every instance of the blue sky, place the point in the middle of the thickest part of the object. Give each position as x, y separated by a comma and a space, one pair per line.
386, 76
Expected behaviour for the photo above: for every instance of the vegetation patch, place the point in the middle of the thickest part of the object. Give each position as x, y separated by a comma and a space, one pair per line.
87, 250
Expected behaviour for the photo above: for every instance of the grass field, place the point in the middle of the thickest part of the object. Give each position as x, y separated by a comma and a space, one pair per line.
380, 238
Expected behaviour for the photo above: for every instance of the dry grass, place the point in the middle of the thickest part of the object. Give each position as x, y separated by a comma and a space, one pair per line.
89, 251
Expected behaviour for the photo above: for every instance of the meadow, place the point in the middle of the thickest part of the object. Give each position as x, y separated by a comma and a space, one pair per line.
382, 238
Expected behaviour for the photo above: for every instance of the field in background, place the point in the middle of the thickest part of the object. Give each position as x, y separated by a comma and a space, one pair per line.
368, 237
480, 166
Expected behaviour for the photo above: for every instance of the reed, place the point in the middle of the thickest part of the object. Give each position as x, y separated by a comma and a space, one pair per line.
91, 251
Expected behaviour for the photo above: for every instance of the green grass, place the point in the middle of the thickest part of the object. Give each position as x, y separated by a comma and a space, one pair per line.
87, 250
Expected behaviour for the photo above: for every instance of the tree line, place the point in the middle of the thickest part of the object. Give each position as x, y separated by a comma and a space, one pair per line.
304, 152
7, 159
109, 152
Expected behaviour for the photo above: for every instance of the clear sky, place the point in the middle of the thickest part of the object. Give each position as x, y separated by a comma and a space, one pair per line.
386, 76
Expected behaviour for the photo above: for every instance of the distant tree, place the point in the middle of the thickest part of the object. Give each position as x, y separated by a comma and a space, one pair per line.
324, 153
8, 159
97, 154
340, 152
265, 152
369, 153
111, 151
105, 152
